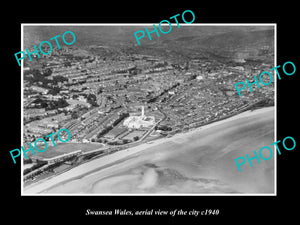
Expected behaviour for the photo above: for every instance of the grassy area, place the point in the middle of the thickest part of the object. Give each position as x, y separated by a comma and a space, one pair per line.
133, 134
62, 148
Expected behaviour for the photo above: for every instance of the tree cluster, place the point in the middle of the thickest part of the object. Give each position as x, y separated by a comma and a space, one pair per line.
34, 167
92, 99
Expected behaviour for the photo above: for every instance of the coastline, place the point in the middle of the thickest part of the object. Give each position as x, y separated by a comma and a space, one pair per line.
107, 161
241, 115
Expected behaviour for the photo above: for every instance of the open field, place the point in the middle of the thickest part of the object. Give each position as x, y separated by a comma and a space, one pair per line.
62, 148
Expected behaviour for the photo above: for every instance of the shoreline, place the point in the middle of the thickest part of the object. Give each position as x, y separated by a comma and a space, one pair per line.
107, 161
237, 116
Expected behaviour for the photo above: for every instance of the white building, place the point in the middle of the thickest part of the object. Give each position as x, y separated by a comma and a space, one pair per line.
136, 122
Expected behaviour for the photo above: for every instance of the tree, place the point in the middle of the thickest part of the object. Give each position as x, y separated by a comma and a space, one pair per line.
67, 64
125, 141
44, 104
54, 90
47, 72
92, 99
136, 138
59, 78
61, 103
74, 115
100, 90
27, 161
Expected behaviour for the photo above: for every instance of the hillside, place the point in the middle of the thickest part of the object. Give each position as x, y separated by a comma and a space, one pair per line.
219, 42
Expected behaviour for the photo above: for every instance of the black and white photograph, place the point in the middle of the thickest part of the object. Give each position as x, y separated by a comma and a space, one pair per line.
145, 113
148, 117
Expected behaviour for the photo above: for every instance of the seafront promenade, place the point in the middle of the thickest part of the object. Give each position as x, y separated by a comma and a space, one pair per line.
90, 177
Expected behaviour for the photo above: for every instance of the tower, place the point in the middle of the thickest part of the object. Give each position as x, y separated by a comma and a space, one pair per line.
142, 116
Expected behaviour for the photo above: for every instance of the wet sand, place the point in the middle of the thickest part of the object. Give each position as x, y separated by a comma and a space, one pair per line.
196, 162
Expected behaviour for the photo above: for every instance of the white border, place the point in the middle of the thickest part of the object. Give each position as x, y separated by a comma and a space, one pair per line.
149, 24
22, 110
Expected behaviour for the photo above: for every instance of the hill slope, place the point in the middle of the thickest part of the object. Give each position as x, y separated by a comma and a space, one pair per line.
231, 42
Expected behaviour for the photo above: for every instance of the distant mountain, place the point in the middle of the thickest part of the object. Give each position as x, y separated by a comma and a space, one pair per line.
239, 38
232, 42
241, 44
236, 44
85, 35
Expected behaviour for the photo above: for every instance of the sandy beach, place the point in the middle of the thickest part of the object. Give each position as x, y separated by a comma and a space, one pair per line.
198, 162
